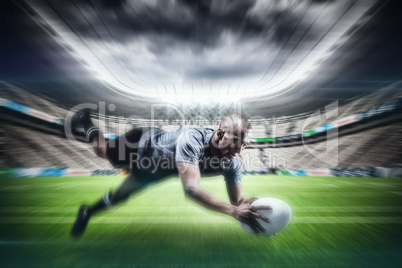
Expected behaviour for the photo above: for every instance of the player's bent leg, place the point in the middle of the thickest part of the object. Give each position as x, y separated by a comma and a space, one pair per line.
82, 119
99, 144
130, 185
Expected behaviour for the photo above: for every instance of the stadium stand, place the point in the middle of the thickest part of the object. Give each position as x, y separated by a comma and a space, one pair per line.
25, 147
16, 94
347, 151
30, 148
355, 150
350, 151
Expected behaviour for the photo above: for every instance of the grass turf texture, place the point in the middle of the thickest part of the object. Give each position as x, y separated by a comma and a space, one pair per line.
337, 222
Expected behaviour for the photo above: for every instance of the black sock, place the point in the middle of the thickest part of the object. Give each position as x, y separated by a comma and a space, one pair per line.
90, 129
102, 204
92, 132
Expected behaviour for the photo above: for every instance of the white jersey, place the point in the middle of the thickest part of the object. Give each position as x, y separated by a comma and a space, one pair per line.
160, 151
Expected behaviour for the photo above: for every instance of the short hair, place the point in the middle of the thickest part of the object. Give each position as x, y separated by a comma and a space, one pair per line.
233, 120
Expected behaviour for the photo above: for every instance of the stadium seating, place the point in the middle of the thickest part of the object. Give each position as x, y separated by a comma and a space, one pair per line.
29, 148
21, 146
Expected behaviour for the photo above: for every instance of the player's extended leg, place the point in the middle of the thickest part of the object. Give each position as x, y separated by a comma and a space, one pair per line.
104, 149
130, 185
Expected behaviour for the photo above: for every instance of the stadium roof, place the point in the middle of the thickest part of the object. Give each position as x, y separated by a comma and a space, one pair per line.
202, 58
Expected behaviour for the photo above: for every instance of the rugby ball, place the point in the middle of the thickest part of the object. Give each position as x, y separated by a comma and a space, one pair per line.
280, 216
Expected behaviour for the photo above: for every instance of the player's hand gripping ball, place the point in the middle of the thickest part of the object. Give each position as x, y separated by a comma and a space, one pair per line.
279, 216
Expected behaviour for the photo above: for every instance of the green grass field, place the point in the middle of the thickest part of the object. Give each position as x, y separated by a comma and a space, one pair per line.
337, 222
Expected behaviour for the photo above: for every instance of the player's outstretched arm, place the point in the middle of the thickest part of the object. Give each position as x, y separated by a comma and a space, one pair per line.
235, 193
190, 176
245, 212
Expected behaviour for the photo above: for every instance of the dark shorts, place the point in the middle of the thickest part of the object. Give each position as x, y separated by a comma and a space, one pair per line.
121, 150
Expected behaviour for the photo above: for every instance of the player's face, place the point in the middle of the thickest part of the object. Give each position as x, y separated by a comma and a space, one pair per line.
233, 143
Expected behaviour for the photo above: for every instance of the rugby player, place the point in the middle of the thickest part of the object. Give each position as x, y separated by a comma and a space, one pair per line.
152, 155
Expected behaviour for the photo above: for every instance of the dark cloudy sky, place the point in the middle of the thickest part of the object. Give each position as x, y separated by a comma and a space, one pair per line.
181, 49
260, 46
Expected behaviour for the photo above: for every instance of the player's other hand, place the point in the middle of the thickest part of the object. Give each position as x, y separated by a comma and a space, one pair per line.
248, 214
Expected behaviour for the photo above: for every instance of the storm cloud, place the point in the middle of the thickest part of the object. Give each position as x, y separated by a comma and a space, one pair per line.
199, 22
175, 41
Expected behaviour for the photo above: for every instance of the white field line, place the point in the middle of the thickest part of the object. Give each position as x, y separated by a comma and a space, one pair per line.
13, 188
383, 184
329, 185
65, 187
60, 185
67, 195
116, 184
180, 209
347, 208
173, 184
348, 182
398, 193
197, 220
353, 220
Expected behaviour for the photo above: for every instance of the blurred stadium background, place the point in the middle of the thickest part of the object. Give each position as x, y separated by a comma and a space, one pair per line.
319, 80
